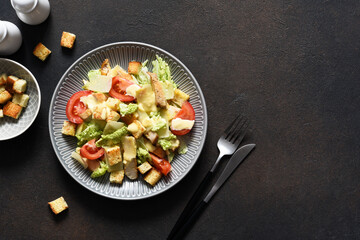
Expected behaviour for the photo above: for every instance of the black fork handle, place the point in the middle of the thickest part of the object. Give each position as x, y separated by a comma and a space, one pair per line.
190, 205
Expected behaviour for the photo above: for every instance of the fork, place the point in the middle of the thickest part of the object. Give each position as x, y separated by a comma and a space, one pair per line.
227, 144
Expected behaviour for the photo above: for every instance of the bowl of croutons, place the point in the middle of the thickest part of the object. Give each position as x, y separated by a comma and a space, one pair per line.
20, 99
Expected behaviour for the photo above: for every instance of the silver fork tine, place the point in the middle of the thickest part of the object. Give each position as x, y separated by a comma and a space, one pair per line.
226, 131
230, 128
236, 129
241, 134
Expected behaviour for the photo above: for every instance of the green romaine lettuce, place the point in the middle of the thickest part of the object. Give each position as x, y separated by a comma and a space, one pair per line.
142, 155
112, 138
126, 109
100, 170
162, 70
91, 131
168, 142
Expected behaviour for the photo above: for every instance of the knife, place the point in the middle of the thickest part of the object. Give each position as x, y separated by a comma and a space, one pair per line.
234, 161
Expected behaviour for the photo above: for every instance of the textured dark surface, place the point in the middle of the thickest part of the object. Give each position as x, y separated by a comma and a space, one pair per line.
292, 67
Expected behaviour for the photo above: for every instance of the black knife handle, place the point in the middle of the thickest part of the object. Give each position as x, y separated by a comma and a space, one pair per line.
190, 220
190, 205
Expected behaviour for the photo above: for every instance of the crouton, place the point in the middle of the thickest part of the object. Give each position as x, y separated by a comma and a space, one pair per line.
113, 103
113, 116
10, 81
58, 205
100, 97
67, 40
21, 99
19, 86
180, 97
2, 88
3, 78
158, 151
144, 168
134, 67
136, 128
152, 177
86, 115
152, 136
100, 113
113, 155
117, 176
68, 128
41, 52
4, 97
105, 67
1, 113
158, 90
12, 110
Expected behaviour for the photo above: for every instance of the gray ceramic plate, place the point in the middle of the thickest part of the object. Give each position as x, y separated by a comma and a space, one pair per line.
121, 53
9, 127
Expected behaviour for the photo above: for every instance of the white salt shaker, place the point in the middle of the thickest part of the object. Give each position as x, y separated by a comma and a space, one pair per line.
32, 12
10, 38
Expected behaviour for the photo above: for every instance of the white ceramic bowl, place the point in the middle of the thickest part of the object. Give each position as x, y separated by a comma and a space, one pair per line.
9, 127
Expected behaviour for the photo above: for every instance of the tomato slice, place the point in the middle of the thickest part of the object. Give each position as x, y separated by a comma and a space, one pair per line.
118, 89
91, 151
74, 106
161, 164
187, 113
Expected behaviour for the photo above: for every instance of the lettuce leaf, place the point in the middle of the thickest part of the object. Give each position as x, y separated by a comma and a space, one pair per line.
162, 70
100, 170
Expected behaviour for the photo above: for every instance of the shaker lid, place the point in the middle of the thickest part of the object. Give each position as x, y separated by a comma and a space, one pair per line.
3, 31
24, 6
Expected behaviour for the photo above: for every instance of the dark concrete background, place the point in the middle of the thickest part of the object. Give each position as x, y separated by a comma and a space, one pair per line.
292, 67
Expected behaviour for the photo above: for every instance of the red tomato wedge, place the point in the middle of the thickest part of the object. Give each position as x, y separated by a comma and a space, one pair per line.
118, 89
74, 106
187, 113
91, 151
161, 164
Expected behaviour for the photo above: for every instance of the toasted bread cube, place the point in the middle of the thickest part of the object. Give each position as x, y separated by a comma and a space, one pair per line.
113, 103
4, 97
160, 98
152, 136
21, 99
117, 176
134, 67
113, 116
68, 128
153, 177
100, 97
10, 81
2, 88
136, 128
12, 110
67, 39
41, 52
1, 113
86, 115
100, 113
113, 155
180, 97
144, 168
58, 205
128, 119
19, 86
3, 78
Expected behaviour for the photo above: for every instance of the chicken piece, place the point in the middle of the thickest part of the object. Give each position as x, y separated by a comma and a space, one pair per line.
105, 67
129, 157
160, 98
152, 136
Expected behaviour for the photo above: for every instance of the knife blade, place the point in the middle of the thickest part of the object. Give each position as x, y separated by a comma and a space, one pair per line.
234, 161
